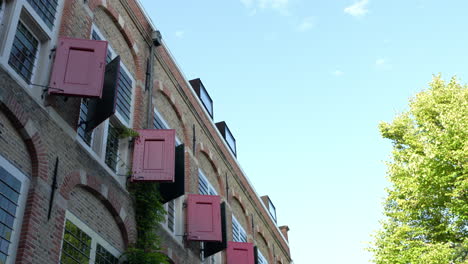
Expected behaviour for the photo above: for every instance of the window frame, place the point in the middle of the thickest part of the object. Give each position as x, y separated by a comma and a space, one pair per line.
211, 189
261, 258
178, 202
21, 10
114, 54
25, 183
205, 95
241, 229
95, 238
101, 132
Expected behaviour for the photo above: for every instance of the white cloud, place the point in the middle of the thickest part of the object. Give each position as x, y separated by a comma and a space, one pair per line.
180, 33
380, 62
306, 24
278, 5
338, 73
358, 9
247, 3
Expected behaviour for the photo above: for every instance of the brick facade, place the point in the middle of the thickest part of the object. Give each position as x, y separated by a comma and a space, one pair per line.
35, 131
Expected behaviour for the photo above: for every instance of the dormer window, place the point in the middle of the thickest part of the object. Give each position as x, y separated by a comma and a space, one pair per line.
202, 93
230, 140
270, 206
272, 209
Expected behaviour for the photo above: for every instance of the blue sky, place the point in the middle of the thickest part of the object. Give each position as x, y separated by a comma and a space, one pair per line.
302, 85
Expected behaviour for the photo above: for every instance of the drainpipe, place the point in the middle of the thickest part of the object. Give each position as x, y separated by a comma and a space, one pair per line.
156, 41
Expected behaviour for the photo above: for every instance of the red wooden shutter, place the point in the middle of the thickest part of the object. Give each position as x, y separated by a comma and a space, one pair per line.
154, 155
79, 67
204, 217
240, 253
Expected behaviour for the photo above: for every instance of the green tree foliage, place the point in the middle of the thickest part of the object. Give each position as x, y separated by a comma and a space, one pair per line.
427, 205
149, 212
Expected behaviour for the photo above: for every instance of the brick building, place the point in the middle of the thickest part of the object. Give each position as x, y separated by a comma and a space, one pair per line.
73, 73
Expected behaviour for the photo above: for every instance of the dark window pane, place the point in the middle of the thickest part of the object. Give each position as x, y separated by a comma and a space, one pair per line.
112, 147
86, 136
23, 52
104, 257
76, 245
46, 9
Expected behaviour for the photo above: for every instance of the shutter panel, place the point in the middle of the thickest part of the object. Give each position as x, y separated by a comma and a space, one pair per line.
240, 253
99, 109
79, 68
154, 155
170, 191
204, 218
212, 248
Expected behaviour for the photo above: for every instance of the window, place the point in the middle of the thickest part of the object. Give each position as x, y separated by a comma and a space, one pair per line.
27, 39
172, 207
125, 84
202, 93
204, 186
112, 147
260, 258
171, 215
206, 100
226, 133
231, 141
104, 140
13, 190
46, 9
238, 233
272, 209
23, 52
81, 245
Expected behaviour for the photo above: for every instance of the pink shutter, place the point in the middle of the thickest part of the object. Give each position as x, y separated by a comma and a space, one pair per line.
79, 67
240, 253
204, 217
154, 155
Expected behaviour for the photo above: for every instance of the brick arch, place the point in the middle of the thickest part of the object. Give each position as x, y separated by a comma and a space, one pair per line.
209, 155
33, 214
236, 197
30, 135
263, 238
166, 92
110, 198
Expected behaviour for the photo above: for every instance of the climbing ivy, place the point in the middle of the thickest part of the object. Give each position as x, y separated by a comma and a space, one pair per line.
149, 212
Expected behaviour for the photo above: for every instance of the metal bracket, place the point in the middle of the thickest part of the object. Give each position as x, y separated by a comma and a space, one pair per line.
52, 51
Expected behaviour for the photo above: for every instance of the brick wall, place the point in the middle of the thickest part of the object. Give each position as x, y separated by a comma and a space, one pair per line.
37, 133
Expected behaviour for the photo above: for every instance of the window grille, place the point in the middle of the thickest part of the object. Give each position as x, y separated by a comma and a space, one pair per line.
10, 189
46, 9
76, 246
86, 136
238, 233
104, 257
112, 147
124, 92
260, 258
23, 53
171, 215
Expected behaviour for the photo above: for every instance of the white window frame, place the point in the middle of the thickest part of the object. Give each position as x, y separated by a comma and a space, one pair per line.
95, 238
21, 10
99, 151
25, 181
240, 228
122, 65
261, 258
211, 189
178, 202
164, 123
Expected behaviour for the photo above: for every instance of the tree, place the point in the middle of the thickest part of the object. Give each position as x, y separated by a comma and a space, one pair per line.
426, 210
